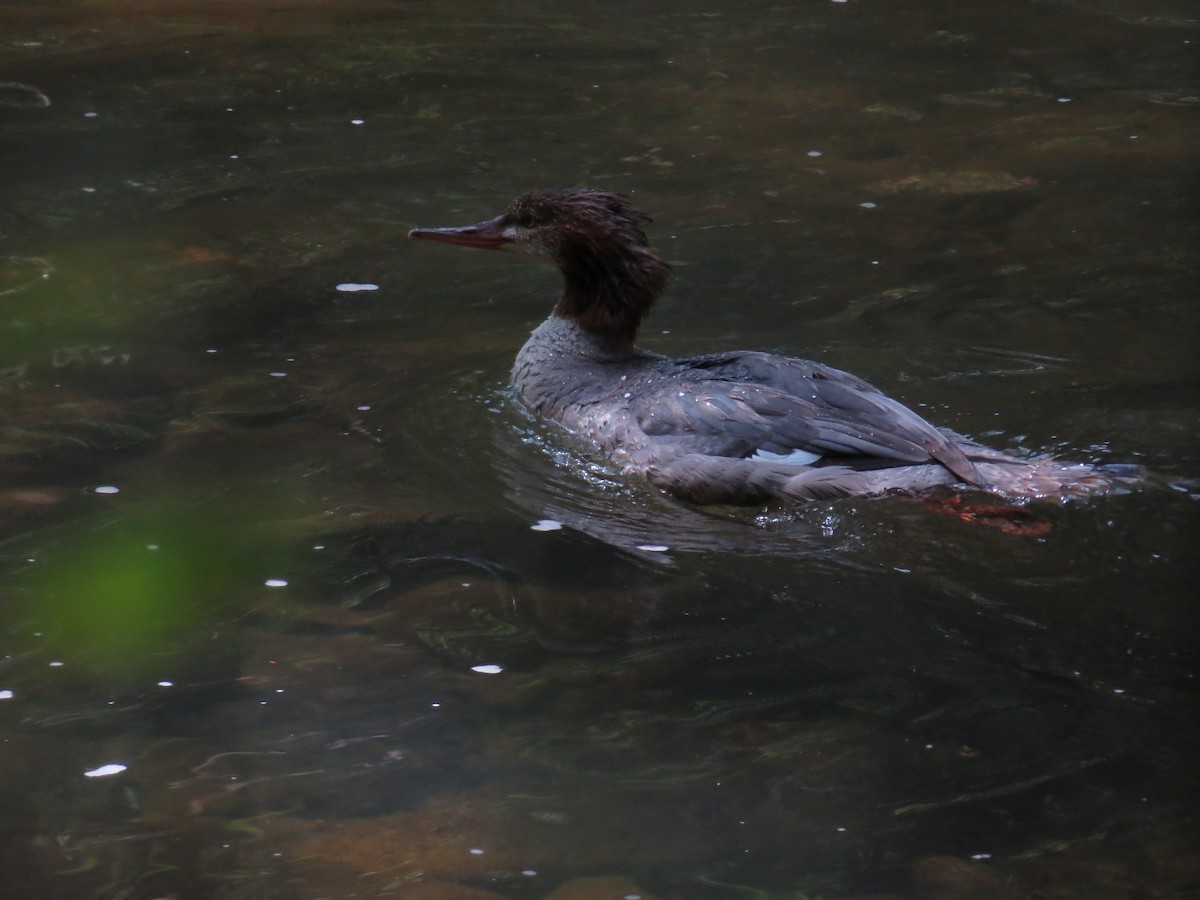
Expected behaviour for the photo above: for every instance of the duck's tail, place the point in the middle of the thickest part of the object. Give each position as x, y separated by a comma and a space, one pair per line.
1044, 477
1048, 478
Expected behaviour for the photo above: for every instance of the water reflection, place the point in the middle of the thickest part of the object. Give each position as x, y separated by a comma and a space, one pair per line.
316, 624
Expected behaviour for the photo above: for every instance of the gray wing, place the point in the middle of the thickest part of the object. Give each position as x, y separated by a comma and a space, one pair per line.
735, 404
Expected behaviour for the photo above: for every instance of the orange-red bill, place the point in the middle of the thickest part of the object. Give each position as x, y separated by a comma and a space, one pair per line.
487, 235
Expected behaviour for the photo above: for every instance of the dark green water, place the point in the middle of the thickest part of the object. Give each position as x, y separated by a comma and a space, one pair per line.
266, 543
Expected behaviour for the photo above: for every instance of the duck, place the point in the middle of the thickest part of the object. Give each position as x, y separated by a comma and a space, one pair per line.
736, 427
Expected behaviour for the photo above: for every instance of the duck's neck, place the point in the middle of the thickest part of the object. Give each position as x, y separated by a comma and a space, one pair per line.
562, 341
608, 290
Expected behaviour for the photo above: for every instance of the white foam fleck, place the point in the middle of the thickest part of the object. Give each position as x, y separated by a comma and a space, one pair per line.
105, 770
547, 525
350, 287
488, 669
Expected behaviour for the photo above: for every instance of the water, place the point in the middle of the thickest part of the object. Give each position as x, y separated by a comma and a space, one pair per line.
270, 545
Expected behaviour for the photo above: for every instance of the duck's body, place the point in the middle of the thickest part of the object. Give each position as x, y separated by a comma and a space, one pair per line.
728, 428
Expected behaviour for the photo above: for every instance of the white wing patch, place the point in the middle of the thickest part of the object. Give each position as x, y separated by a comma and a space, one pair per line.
794, 458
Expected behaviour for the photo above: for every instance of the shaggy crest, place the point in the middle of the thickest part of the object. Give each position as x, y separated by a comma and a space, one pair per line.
595, 238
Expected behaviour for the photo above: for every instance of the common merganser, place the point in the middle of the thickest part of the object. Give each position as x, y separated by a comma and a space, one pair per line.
737, 427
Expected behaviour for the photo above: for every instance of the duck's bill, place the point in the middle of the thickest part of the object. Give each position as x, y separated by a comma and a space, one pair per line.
487, 235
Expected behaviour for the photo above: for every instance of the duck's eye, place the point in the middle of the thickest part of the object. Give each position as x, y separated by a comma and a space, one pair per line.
527, 219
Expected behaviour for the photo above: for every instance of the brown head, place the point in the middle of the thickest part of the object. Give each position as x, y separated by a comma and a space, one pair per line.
596, 240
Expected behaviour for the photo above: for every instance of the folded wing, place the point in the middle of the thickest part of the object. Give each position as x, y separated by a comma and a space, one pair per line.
735, 405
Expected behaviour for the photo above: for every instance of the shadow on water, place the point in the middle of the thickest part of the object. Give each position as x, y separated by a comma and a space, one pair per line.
297, 602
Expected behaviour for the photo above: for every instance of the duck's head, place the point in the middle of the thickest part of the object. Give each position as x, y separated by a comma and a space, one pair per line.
596, 240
